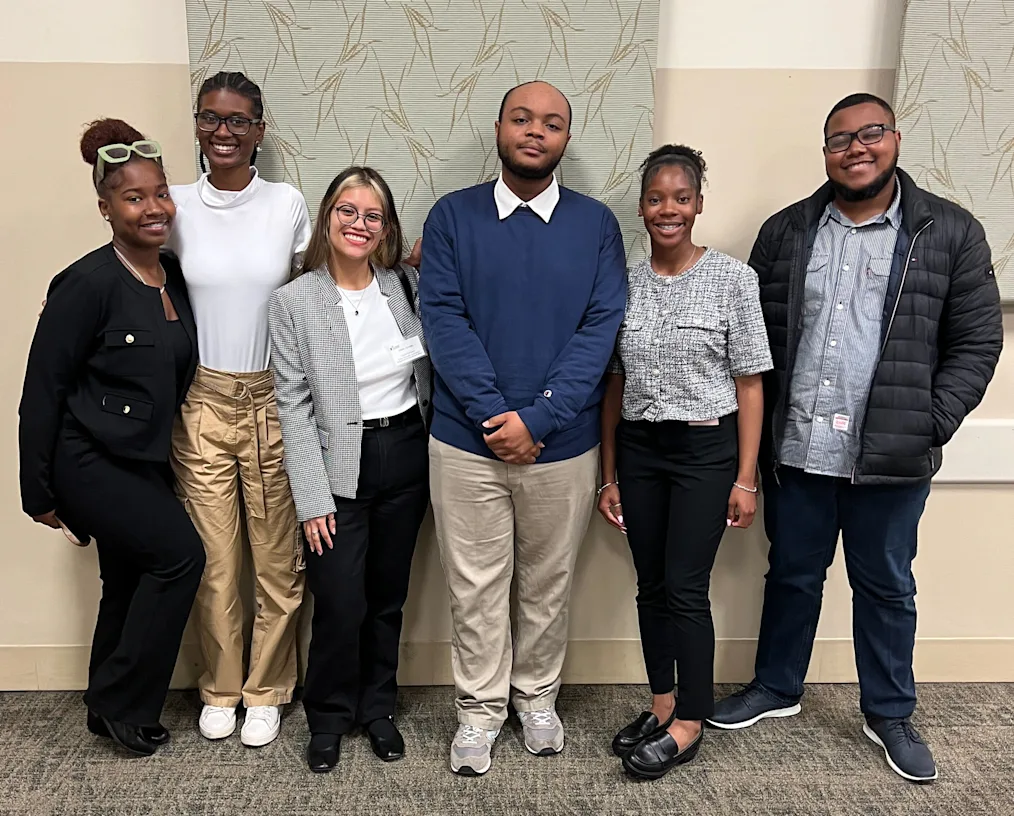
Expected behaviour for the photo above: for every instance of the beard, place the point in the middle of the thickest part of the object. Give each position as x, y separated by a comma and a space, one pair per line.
871, 190
538, 173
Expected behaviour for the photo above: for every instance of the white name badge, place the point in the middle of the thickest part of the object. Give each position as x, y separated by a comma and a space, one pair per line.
406, 351
841, 422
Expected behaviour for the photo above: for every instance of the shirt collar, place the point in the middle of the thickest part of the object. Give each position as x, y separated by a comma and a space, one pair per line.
892, 215
542, 205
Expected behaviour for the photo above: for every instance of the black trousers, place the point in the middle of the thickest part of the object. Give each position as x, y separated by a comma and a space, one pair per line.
675, 481
359, 587
150, 560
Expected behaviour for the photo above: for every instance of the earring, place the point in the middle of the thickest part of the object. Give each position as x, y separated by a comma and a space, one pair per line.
106, 217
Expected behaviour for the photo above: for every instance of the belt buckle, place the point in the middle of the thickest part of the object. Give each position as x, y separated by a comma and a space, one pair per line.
384, 422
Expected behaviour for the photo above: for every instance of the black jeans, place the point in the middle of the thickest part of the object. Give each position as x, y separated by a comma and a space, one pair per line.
360, 586
675, 481
803, 515
150, 560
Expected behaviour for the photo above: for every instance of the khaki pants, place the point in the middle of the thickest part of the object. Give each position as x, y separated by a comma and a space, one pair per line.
227, 457
495, 522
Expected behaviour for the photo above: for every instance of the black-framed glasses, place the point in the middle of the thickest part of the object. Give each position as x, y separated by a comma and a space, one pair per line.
237, 125
348, 215
871, 134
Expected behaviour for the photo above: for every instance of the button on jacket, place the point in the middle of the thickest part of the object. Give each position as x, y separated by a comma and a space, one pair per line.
102, 352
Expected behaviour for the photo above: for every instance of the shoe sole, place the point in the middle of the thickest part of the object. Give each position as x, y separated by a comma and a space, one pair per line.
775, 713
468, 770
869, 732
216, 735
259, 742
547, 751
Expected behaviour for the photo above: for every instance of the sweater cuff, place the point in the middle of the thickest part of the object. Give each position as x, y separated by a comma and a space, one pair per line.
538, 420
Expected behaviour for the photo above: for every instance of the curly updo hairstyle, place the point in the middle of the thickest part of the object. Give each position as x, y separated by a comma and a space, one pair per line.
673, 155
106, 132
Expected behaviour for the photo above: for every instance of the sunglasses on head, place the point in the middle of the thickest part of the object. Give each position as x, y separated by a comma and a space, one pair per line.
119, 153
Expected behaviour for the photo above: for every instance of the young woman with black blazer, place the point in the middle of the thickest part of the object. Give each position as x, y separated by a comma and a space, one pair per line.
353, 385
114, 352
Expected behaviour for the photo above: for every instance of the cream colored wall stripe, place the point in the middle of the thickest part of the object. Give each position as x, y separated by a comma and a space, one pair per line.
111, 31
801, 34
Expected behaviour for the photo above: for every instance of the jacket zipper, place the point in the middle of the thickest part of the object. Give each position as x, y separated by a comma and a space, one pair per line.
883, 345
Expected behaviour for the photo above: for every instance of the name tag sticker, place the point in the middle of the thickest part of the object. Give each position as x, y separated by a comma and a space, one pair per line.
703, 423
406, 351
841, 422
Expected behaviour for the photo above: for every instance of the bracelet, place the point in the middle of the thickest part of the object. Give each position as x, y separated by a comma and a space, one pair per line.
744, 487
607, 484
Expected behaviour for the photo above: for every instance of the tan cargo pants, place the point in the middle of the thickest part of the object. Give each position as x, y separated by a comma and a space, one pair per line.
227, 457
496, 522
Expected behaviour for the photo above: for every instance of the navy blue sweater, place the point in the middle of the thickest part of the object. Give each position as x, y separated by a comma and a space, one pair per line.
520, 315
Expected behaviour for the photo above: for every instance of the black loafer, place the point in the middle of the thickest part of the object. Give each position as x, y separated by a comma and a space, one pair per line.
654, 757
129, 737
157, 735
647, 725
322, 752
385, 739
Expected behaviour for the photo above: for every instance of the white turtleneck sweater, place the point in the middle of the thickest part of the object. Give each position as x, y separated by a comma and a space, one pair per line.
236, 248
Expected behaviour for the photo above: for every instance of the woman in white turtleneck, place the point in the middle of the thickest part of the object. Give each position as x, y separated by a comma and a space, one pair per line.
237, 237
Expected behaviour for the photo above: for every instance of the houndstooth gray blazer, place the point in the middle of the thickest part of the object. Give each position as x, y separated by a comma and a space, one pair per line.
316, 387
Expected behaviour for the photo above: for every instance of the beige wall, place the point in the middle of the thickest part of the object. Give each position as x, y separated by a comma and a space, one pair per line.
752, 97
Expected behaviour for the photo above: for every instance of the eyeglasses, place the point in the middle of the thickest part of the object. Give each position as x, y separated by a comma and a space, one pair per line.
348, 215
119, 153
237, 125
871, 134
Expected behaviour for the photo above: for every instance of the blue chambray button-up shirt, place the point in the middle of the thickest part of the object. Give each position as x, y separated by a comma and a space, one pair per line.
843, 306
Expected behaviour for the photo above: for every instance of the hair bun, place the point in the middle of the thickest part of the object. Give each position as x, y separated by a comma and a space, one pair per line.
104, 132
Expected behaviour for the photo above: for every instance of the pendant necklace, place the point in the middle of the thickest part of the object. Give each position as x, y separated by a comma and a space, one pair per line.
136, 274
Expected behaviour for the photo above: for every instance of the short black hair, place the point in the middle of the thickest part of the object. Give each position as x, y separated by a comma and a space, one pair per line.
503, 102
674, 155
852, 100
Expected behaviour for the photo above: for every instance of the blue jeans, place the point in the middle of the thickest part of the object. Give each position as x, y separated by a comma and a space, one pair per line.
803, 515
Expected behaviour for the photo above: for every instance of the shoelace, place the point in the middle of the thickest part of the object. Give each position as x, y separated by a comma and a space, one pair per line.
903, 730
262, 713
470, 735
213, 710
541, 719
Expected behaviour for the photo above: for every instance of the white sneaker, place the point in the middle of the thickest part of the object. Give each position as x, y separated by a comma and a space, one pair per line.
261, 726
217, 722
543, 731
472, 750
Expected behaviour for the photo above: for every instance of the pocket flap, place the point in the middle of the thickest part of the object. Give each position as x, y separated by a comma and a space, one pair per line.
128, 338
127, 406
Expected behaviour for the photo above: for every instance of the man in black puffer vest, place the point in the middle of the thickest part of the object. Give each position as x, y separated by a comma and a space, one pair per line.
884, 320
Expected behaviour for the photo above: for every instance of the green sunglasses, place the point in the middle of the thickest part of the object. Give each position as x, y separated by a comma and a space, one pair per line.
119, 153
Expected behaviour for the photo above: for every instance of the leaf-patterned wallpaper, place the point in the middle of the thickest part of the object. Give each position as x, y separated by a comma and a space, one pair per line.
955, 106
413, 88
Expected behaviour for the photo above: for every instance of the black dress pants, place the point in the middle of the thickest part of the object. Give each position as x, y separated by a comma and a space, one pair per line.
675, 481
150, 561
360, 586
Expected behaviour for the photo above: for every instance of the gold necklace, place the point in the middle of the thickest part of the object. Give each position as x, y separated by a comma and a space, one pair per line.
687, 264
136, 274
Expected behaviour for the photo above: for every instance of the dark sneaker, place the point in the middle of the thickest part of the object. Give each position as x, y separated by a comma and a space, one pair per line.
906, 753
746, 707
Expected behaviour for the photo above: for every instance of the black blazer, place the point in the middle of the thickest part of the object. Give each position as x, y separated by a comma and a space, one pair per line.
102, 353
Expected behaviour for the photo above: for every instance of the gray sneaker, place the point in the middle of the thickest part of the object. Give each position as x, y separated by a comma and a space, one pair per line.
543, 731
471, 750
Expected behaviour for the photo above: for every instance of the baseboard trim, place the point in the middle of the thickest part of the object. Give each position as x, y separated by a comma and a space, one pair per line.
937, 660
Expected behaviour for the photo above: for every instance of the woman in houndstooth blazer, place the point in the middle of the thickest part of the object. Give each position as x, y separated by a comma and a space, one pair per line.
353, 386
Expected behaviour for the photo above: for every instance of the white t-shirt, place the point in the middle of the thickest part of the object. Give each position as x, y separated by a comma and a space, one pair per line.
236, 248
385, 387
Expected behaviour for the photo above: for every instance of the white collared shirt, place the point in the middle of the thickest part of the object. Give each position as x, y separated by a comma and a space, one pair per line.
542, 205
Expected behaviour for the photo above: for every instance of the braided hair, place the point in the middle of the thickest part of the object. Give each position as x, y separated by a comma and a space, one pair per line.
673, 155
237, 82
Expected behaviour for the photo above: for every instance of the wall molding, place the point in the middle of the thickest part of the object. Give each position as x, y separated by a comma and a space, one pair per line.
981, 452
937, 660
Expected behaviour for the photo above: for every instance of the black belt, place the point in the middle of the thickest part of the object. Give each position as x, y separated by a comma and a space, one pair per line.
409, 417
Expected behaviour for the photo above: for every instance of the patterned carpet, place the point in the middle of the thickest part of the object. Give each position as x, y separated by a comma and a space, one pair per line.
816, 763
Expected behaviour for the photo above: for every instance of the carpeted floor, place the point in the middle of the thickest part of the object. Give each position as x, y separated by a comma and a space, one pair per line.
816, 763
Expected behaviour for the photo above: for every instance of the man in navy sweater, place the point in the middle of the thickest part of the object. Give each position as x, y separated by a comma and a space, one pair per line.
522, 290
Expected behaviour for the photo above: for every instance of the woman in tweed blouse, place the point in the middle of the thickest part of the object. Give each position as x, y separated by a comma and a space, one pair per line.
353, 387
681, 425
